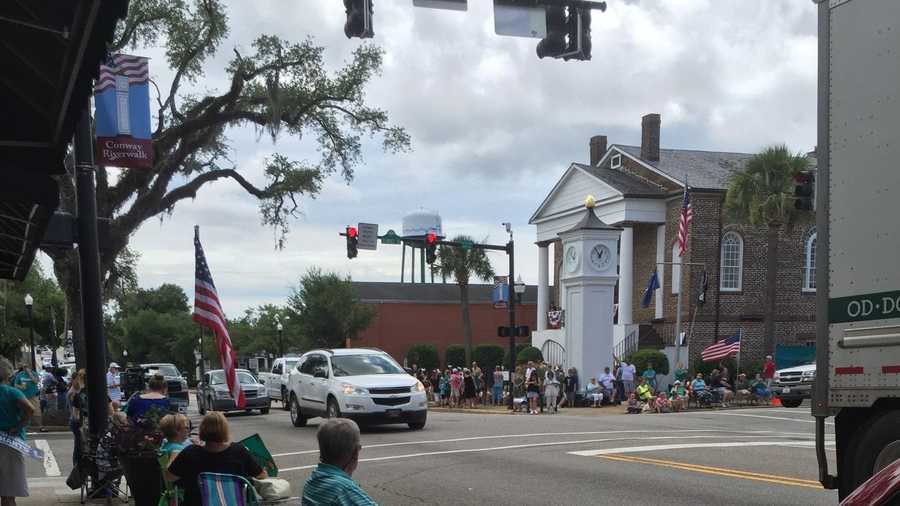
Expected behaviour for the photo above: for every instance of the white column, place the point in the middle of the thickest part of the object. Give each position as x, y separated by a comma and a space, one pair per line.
660, 268
543, 288
626, 276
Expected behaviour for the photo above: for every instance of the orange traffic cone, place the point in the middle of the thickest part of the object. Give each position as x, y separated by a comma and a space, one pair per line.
776, 402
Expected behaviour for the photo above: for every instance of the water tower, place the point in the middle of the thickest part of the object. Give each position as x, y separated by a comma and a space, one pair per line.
415, 226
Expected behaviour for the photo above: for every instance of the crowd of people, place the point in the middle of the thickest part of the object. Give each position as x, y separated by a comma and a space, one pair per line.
538, 387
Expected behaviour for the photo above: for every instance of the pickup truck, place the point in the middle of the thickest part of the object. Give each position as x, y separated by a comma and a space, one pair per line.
276, 381
794, 384
177, 385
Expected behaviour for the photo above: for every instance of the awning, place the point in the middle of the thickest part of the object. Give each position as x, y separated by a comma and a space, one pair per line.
50, 53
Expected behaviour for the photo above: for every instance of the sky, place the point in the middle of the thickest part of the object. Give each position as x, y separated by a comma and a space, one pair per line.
492, 126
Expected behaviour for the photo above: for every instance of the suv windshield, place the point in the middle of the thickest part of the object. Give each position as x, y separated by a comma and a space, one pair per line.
244, 378
164, 369
358, 365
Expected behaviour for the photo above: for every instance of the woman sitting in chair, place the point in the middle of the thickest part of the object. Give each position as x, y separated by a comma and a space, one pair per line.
217, 455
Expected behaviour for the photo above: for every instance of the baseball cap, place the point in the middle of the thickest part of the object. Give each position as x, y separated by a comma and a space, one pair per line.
113, 365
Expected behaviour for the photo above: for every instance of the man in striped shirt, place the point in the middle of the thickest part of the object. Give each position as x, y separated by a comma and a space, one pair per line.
330, 483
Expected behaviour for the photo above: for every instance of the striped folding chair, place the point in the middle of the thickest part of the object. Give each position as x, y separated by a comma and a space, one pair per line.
219, 489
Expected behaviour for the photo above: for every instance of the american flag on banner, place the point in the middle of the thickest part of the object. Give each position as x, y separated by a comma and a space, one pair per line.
208, 312
723, 349
684, 221
122, 113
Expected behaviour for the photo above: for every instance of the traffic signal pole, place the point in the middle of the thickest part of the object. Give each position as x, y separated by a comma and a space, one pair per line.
512, 319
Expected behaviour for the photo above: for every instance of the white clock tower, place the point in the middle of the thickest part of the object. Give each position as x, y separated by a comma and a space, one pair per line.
589, 276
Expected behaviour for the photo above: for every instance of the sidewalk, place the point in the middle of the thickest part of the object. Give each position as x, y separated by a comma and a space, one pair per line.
602, 411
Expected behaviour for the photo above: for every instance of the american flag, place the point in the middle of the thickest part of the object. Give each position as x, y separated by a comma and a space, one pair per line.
687, 214
208, 312
722, 349
135, 68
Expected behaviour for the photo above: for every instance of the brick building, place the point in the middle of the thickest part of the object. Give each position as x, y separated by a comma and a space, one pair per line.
430, 313
640, 188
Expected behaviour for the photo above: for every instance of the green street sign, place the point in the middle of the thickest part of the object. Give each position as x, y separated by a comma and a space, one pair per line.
466, 245
390, 237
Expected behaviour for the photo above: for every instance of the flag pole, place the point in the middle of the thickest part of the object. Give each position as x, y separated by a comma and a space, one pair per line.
740, 345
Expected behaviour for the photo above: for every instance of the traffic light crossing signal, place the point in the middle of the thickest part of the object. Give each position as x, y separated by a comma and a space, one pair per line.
352, 239
359, 19
431, 241
568, 33
804, 186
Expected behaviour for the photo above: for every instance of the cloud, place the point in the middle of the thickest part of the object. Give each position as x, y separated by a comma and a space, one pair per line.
493, 127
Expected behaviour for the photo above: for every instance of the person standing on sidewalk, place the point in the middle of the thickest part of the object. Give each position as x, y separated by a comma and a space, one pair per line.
628, 371
551, 392
498, 386
29, 383
769, 371
113, 383
15, 411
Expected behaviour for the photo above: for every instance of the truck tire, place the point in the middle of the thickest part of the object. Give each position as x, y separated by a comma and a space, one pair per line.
876, 441
297, 418
285, 400
791, 403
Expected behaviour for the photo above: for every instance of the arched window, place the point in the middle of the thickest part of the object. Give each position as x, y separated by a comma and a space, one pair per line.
809, 265
676, 269
732, 263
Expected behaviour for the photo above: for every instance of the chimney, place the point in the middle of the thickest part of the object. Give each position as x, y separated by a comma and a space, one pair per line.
598, 148
650, 137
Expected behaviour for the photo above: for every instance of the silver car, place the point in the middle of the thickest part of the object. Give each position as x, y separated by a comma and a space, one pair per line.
213, 394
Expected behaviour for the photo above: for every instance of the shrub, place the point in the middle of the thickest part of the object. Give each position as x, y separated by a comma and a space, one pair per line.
529, 353
455, 355
423, 355
641, 358
519, 348
488, 356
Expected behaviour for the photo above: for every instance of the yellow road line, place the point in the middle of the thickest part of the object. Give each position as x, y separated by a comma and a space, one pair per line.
730, 473
728, 470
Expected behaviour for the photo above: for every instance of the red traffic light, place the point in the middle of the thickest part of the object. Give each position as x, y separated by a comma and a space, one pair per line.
431, 238
351, 232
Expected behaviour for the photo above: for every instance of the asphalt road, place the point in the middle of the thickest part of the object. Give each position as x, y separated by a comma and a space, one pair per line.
747, 456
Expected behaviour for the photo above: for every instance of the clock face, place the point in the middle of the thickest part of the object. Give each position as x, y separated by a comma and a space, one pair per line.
571, 259
601, 257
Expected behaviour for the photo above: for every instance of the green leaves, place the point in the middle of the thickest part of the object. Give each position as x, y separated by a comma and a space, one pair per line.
762, 193
328, 309
462, 264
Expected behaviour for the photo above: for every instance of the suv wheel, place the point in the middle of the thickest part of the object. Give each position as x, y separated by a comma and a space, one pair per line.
285, 400
333, 411
791, 403
297, 418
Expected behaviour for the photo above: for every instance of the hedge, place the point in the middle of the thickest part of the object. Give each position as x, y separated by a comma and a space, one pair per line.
641, 358
455, 356
423, 355
519, 348
528, 354
488, 356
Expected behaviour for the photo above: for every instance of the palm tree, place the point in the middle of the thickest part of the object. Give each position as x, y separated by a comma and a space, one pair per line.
463, 265
761, 194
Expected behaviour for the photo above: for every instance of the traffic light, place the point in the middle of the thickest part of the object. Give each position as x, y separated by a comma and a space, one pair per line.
578, 34
359, 19
554, 44
803, 191
352, 239
431, 240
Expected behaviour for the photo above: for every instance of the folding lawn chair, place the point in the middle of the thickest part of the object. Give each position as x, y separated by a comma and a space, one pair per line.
219, 489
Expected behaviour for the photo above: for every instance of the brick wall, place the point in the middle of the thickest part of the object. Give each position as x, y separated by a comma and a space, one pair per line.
795, 309
398, 326
644, 263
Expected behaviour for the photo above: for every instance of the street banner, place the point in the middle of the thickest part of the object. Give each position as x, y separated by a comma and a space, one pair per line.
21, 446
500, 294
122, 113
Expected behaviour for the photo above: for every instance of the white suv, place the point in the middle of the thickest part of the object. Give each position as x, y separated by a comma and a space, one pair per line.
364, 384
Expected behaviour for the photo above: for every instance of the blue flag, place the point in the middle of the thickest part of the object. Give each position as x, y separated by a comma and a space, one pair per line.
652, 285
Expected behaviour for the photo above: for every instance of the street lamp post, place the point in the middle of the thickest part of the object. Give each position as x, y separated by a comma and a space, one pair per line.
125, 356
520, 289
280, 328
29, 302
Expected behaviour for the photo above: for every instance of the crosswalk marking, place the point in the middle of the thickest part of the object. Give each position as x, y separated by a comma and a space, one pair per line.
51, 468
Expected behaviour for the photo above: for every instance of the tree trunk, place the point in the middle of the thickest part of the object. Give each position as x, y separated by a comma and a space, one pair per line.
467, 322
771, 287
65, 267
